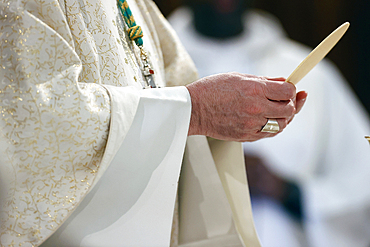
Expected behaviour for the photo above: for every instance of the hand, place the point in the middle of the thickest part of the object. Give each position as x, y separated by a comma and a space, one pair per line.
235, 107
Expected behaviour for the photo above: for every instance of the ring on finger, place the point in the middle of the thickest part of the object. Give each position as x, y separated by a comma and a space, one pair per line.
271, 126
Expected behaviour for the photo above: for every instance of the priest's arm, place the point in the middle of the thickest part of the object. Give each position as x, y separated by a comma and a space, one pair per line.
70, 91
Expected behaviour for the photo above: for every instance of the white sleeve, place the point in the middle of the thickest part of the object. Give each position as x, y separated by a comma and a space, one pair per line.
133, 202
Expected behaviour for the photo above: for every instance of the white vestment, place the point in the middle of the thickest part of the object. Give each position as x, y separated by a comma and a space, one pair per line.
323, 149
87, 154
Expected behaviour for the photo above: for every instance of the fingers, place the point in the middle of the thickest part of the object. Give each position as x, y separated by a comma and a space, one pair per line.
275, 78
283, 122
287, 113
260, 134
279, 90
287, 108
300, 100
280, 109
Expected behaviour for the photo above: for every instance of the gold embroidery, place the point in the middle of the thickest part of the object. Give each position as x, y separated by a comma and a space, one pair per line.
54, 114
53, 128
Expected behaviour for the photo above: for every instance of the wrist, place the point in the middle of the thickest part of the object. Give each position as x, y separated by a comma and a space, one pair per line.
195, 119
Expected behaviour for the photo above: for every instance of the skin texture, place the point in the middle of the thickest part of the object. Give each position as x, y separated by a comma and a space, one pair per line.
235, 107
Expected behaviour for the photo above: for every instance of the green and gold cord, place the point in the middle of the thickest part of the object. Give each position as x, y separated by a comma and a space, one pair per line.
134, 31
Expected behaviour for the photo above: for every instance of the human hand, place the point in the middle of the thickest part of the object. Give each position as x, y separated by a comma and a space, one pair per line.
235, 107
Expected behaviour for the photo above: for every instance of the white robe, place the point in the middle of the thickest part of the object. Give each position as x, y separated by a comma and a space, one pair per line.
71, 89
85, 153
323, 149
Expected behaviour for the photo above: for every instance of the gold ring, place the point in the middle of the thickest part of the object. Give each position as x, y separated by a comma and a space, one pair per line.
271, 126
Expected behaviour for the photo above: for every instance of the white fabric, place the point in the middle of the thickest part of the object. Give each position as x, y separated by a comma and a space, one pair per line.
205, 215
274, 226
323, 149
71, 88
351, 228
132, 205
214, 204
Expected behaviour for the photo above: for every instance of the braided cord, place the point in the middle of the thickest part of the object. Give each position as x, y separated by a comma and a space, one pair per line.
134, 31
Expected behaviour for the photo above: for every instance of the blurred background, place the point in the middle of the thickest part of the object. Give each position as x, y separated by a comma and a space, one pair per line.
310, 21
309, 186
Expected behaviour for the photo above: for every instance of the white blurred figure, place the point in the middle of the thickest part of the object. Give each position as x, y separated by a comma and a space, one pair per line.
274, 226
323, 150
271, 196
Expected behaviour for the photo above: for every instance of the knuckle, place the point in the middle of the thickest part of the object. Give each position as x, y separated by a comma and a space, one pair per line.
247, 126
288, 110
266, 90
255, 109
291, 91
283, 124
250, 125
234, 74
291, 109
259, 89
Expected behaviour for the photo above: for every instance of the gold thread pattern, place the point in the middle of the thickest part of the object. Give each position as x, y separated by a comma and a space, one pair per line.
44, 145
54, 54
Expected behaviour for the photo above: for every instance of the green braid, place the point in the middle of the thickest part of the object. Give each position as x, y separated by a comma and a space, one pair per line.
134, 31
